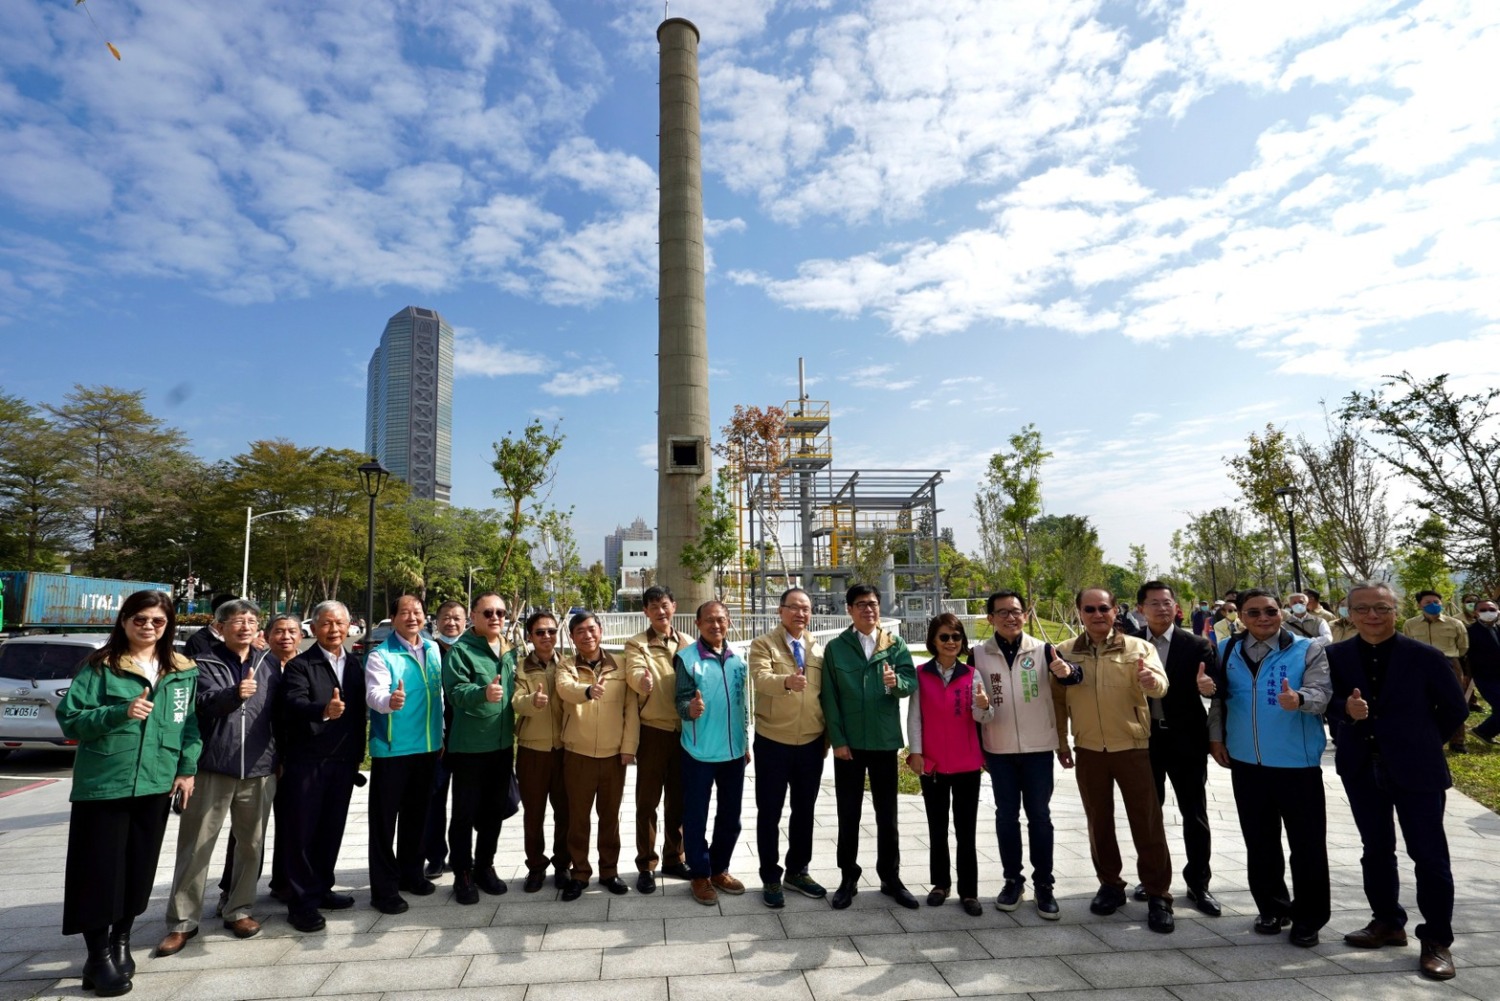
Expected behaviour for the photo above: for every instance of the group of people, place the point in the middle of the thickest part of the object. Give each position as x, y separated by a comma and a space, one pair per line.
249, 728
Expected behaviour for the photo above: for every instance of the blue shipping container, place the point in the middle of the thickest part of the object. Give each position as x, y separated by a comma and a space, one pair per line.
62, 601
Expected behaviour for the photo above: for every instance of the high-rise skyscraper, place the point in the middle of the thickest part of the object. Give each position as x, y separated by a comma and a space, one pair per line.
409, 402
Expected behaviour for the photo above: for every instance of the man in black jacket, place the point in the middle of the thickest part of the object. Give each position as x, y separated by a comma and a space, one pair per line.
1395, 702
237, 693
323, 734
1484, 664
1179, 734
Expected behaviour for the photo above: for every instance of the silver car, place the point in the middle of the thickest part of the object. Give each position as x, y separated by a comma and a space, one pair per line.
35, 672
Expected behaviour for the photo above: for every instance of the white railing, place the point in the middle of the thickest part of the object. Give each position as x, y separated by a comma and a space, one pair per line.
620, 626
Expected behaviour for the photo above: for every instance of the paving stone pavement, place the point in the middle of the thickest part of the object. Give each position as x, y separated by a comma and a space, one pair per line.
651, 948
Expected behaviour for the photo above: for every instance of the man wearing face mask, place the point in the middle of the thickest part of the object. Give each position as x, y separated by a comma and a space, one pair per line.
1451, 638
1300, 620
1200, 617
1484, 664
1343, 627
1230, 624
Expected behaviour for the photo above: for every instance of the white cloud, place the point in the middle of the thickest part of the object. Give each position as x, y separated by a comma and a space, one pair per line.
474, 356
582, 380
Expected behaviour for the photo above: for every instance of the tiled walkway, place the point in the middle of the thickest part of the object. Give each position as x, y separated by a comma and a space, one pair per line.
666, 946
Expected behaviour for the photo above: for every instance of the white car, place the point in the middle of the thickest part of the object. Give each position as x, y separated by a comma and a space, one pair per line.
35, 672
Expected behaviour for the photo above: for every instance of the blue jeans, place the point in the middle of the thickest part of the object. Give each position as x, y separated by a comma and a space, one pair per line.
699, 778
1017, 779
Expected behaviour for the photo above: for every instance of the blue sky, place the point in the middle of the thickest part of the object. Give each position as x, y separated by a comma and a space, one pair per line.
1149, 227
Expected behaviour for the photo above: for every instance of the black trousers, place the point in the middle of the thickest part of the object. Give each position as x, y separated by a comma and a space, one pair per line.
113, 848
962, 791
1373, 800
849, 790
312, 802
1268, 799
781, 769
1183, 758
481, 783
400, 791
436, 839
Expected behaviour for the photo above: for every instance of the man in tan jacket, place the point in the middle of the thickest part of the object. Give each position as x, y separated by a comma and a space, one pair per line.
1111, 726
786, 670
539, 754
601, 731
658, 766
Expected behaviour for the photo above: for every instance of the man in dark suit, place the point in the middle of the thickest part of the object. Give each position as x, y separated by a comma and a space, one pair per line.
1395, 702
1179, 734
1484, 664
324, 740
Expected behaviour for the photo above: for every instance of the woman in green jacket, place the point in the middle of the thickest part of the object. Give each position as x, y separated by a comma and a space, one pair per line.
130, 708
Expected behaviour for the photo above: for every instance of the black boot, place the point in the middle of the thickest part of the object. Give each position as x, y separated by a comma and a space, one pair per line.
119, 947
100, 974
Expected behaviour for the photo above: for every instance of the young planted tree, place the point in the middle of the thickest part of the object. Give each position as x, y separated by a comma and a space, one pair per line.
717, 545
1008, 504
1345, 495
525, 465
754, 445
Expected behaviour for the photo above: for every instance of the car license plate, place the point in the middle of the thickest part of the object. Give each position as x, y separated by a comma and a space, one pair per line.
22, 712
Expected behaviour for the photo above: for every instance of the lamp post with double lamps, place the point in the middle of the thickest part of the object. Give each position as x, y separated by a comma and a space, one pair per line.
374, 475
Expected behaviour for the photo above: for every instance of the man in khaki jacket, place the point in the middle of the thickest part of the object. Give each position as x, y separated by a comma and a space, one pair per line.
1438, 629
1111, 726
601, 731
658, 766
539, 754
786, 670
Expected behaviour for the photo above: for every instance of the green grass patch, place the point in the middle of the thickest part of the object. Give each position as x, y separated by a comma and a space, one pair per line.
1477, 774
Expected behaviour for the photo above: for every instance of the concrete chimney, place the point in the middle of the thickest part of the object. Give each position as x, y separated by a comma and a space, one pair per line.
683, 461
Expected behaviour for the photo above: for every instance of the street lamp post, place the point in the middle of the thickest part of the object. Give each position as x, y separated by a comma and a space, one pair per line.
374, 475
191, 581
1288, 497
250, 518
469, 590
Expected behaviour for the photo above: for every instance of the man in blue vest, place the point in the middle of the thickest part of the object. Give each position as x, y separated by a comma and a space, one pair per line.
711, 685
404, 690
1266, 725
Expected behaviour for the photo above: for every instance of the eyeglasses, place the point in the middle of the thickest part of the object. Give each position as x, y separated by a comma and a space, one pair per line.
492, 613
1008, 613
804, 609
867, 605
1372, 609
544, 632
149, 622
950, 637
1256, 613
1097, 609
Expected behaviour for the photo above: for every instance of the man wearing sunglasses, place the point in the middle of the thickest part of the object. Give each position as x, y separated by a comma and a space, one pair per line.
1395, 701
539, 754
479, 676
1266, 726
1111, 726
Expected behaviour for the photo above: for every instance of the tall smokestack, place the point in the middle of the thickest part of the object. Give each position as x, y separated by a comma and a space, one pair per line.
682, 331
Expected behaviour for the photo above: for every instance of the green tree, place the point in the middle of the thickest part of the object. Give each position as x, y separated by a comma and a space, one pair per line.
525, 465
1345, 500
36, 489
598, 589
1446, 444
1265, 467
717, 545
1422, 562
1007, 505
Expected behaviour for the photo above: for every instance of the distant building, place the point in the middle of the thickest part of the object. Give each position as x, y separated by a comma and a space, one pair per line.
629, 553
409, 402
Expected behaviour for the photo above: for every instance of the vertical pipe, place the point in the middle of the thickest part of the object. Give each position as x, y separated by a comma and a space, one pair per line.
370, 580
682, 331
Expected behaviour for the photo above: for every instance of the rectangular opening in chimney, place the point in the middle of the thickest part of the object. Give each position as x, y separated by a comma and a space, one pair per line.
685, 455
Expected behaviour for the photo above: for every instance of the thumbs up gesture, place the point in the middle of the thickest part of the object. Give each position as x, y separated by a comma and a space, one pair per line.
1206, 686
494, 690
335, 707
140, 707
1288, 699
695, 707
1355, 707
248, 686
1059, 667
647, 684
398, 697
889, 677
981, 693
1146, 678
539, 700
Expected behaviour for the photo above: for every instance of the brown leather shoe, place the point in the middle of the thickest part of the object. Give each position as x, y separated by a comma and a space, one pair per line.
174, 942
1376, 934
703, 892
1437, 962
726, 883
246, 927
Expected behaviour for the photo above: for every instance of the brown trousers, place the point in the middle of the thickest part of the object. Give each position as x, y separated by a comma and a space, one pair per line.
1098, 773
1460, 738
658, 776
596, 784
540, 776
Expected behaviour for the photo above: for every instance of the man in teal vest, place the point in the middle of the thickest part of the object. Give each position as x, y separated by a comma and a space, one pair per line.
404, 690
866, 672
479, 677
